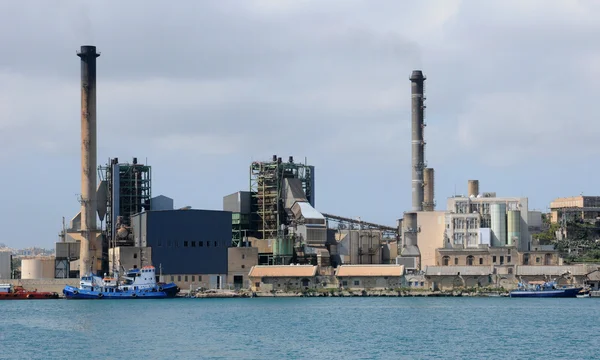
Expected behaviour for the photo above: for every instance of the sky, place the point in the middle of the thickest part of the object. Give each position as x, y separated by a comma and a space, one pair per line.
200, 89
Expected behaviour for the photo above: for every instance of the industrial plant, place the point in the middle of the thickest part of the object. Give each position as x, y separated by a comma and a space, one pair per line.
273, 235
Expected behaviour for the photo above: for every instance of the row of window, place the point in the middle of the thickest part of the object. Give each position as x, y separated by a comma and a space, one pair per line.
176, 243
185, 278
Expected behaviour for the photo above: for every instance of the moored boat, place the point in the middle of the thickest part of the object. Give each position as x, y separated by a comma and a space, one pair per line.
545, 289
136, 284
10, 292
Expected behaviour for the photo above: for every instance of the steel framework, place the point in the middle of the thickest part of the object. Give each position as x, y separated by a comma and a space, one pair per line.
266, 186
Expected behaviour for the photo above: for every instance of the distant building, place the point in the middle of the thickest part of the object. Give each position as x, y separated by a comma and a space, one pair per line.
575, 207
188, 246
5, 264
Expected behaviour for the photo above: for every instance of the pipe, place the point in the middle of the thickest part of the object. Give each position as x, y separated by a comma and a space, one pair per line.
88, 57
418, 162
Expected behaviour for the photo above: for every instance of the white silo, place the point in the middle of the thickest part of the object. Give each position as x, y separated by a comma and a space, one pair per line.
498, 219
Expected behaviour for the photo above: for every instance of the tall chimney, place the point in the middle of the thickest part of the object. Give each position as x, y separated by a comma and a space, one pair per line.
428, 194
88, 57
418, 144
473, 188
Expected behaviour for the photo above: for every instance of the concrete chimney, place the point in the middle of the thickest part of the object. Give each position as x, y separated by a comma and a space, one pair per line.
473, 188
89, 229
418, 144
428, 195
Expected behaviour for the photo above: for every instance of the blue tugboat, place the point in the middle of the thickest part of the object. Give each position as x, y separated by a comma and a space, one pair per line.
545, 289
137, 284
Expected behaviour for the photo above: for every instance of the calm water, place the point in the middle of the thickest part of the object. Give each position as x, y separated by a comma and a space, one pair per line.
300, 328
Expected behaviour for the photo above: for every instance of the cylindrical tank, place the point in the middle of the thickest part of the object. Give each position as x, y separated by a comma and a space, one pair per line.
38, 268
5, 264
473, 188
498, 217
513, 225
428, 194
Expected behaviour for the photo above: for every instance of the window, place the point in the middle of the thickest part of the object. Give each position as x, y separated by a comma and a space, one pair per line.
508, 259
208, 244
501, 260
257, 284
446, 260
480, 261
510, 270
193, 278
216, 244
193, 244
135, 256
422, 283
185, 244
345, 283
199, 277
537, 260
185, 278
508, 251
172, 278
243, 256
178, 277
243, 266
356, 282
200, 243
455, 261
494, 259
470, 260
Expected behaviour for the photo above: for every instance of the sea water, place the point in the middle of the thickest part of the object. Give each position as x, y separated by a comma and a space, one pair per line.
301, 328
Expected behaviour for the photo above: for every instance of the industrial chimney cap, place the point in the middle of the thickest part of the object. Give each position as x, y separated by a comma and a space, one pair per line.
417, 75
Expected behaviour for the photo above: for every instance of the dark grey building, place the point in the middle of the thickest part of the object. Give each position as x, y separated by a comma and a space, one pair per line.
185, 241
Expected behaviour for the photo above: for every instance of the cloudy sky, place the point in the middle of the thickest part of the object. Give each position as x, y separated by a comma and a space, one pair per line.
202, 88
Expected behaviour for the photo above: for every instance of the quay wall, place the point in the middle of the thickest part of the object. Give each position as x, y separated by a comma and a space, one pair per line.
52, 285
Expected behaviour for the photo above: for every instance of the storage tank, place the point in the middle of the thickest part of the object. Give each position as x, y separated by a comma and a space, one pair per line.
473, 188
513, 224
38, 268
498, 217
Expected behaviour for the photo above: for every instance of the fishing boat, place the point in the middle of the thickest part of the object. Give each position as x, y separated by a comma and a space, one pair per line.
136, 284
10, 292
545, 289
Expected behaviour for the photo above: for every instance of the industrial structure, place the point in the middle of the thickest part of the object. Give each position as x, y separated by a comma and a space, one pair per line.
128, 192
586, 208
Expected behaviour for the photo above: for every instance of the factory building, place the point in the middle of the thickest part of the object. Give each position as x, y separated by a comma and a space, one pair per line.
585, 208
370, 276
5, 265
282, 277
239, 262
188, 246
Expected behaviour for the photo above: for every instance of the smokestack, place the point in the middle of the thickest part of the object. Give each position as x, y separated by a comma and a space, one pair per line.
88, 57
473, 188
428, 194
418, 144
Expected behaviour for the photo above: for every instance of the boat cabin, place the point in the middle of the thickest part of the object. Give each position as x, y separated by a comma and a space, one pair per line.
5, 288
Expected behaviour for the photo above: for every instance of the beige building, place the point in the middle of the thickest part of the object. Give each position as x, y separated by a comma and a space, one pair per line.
498, 256
579, 207
451, 277
198, 281
282, 277
430, 236
239, 262
370, 276
563, 275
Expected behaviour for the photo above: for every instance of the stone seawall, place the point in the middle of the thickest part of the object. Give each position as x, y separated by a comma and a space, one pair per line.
52, 285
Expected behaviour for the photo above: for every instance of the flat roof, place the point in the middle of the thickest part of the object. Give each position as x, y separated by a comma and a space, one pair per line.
283, 271
370, 270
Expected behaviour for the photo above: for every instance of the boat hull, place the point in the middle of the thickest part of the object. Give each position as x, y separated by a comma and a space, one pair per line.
554, 293
160, 292
28, 296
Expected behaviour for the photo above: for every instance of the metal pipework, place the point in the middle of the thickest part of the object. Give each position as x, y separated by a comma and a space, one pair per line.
89, 229
418, 144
